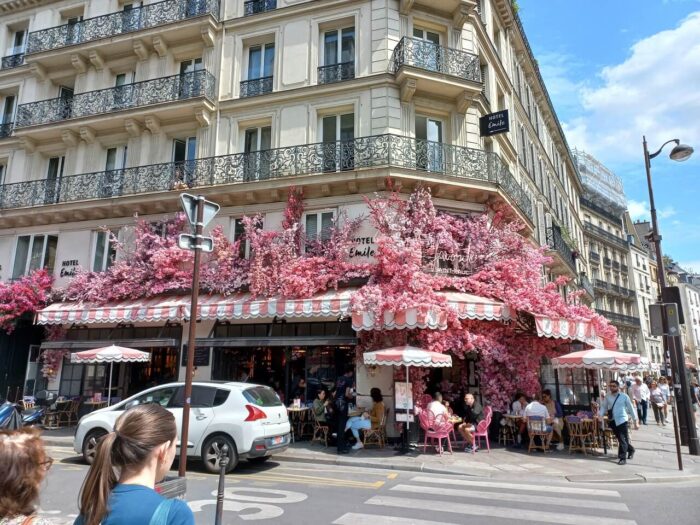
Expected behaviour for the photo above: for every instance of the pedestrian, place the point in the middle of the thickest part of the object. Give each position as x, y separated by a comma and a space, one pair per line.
343, 397
666, 390
695, 399
120, 486
640, 396
658, 402
617, 406
23, 466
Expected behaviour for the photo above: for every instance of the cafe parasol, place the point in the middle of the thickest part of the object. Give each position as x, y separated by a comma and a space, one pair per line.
110, 354
602, 359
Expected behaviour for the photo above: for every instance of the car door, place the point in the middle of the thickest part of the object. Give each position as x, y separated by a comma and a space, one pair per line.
201, 413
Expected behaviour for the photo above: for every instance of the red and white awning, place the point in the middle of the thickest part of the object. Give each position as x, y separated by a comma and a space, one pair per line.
407, 356
561, 328
111, 354
467, 306
154, 309
601, 359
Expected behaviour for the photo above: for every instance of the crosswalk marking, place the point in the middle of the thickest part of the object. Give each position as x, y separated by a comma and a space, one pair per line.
311, 480
520, 498
551, 489
355, 518
496, 512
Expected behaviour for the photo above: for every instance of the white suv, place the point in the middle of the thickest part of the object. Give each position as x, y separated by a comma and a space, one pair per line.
249, 418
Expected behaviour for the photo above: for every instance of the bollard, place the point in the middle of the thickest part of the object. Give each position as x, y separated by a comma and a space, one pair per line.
223, 463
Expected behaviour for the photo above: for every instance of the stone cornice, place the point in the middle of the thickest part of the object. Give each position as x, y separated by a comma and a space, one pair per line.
16, 6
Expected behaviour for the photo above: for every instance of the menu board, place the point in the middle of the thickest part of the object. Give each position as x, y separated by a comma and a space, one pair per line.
403, 394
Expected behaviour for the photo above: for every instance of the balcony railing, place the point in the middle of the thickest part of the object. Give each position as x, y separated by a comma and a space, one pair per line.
252, 7
585, 283
605, 235
119, 22
616, 265
556, 242
624, 268
616, 318
594, 257
600, 210
14, 60
166, 89
6, 129
256, 86
336, 72
432, 57
615, 289
378, 151
607, 261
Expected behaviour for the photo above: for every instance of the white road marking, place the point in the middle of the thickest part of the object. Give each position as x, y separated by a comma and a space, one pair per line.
354, 518
497, 512
520, 498
551, 489
264, 511
284, 496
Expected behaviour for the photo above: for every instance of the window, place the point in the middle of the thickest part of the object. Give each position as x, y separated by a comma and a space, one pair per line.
162, 396
19, 40
256, 146
8, 109
426, 52
261, 64
262, 396
114, 172
104, 251
2, 175
318, 226
338, 134
184, 155
71, 379
130, 16
429, 154
202, 397
73, 29
34, 252
239, 235
338, 55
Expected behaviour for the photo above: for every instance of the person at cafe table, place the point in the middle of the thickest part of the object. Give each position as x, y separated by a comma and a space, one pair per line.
436, 406
471, 415
618, 407
557, 413
368, 419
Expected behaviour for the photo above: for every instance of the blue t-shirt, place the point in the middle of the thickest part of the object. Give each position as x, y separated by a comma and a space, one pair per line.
135, 505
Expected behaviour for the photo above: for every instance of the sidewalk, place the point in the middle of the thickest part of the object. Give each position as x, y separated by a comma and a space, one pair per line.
654, 461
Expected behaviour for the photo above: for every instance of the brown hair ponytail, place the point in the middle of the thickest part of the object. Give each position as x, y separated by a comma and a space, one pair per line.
136, 433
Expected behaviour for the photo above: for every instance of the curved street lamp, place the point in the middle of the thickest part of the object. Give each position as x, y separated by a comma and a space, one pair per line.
672, 345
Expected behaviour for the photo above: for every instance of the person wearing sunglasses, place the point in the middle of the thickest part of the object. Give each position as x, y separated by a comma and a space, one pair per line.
617, 406
23, 466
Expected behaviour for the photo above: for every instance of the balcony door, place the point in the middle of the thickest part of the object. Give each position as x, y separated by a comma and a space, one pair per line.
19, 40
257, 159
73, 29
184, 159
426, 49
338, 55
65, 94
54, 176
190, 81
429, 144
338, 132
261, 61
131, 17
114, 172
8, 110
123, 90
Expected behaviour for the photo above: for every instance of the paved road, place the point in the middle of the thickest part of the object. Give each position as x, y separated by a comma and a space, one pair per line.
293, 493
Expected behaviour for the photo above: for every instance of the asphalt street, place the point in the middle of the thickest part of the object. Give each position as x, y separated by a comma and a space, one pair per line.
294, 493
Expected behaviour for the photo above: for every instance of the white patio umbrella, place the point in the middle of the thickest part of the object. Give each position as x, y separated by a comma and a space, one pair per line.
110, 354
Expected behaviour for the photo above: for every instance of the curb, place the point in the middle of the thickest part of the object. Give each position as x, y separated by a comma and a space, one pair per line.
633, 478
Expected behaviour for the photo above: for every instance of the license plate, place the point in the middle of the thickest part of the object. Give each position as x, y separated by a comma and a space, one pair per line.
277, 440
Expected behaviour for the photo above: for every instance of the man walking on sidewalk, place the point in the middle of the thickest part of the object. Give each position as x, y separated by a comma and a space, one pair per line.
618, 407
640, 396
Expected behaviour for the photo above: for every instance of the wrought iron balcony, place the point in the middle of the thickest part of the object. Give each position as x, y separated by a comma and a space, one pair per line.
624, 268
607, 261
166, 89
14, 60
6, 129
256, 86
556, 242
600, 210
432, 57
619, 319
336, 72
615, 289
253, 7
605, 235
615, 265
594, 257
378, 151
119, 22
585, 284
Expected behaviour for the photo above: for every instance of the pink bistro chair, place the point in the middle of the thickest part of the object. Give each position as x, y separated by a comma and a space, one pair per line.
435, 428
482, 429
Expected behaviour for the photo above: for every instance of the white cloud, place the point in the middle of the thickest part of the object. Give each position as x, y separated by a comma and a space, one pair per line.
639, 210
653, 93
690, 266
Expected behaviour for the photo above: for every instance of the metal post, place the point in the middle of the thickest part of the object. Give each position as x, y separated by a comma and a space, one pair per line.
199, 227
682, 391
223, 463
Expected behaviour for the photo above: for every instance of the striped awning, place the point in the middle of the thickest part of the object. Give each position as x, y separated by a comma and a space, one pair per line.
467, 306
562, 328
332, 303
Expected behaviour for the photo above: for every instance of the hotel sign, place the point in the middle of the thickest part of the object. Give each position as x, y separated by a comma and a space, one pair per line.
494, 123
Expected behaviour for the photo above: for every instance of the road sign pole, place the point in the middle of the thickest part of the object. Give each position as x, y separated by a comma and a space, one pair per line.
198, 229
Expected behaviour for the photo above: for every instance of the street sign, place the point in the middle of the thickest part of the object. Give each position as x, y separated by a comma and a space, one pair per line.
188, 242
656, 319
189, 204
494, 123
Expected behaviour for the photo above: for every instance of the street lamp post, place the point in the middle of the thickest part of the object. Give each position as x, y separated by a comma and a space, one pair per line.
672, 345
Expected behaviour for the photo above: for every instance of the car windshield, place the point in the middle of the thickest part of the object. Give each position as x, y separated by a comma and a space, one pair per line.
262, 396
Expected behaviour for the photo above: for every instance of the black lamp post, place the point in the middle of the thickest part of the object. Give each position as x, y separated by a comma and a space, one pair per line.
672, 345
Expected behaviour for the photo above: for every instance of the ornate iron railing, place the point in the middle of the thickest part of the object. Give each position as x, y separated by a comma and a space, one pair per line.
594, 256
256, 86
119, 22
616, 318
606, 236
607, 261
601, 210
376, 151
6, 129
615, 289
585, 284
432, 57
556, 242
11, 61
252, 7
336, 72
166, 89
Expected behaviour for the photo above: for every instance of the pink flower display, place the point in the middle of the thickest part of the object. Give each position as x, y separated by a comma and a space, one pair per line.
24, 296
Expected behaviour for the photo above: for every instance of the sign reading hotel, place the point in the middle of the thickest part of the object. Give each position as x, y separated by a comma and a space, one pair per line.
365, 248
494, 123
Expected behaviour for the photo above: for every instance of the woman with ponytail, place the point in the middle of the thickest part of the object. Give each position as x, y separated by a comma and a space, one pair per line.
119, 487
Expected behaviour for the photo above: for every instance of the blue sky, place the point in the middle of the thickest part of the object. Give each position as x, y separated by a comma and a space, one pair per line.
620, 69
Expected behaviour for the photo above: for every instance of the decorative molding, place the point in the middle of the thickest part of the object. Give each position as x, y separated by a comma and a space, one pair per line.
405, 6
70, 138
352, 186
203, 117
208, 35
87, 134
408, 88
79, 63
38, 71
464, 101
461, 14
133, 127
27, 144
152, 123
250, 197
141, 50
160, 45
96, 60
325, 190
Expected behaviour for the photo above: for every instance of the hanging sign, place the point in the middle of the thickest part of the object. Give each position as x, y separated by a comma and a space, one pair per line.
494, 123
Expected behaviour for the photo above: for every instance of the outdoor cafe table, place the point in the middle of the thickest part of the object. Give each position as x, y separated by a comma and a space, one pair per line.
596, 425
299, 417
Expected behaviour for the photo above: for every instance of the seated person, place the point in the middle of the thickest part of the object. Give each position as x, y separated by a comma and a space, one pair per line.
436, 406
299, 392
319, 407
557, 412
472, 414
518, 409
535, 408
371, 419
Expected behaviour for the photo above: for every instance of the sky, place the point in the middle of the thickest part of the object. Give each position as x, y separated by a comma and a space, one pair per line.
620, 69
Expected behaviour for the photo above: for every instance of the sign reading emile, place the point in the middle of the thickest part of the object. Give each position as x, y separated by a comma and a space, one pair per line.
494, 123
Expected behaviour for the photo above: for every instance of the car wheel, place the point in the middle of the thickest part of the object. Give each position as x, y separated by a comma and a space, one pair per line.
212, 449
90, 444
259, 460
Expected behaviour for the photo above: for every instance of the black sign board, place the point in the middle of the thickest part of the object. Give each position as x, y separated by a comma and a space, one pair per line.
201, 355
494, 123
672, 294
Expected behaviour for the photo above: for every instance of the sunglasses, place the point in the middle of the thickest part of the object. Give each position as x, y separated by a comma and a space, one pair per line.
46, 464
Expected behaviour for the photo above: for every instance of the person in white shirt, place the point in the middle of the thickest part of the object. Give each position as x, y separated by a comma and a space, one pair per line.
436, 406
640, 394
518, 406
537, 409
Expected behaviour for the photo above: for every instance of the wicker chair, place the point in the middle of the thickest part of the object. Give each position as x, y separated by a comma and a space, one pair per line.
320, 431
537, 427
579, 435
377, 436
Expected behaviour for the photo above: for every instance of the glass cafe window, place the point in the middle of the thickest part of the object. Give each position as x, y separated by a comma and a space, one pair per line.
34, 252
